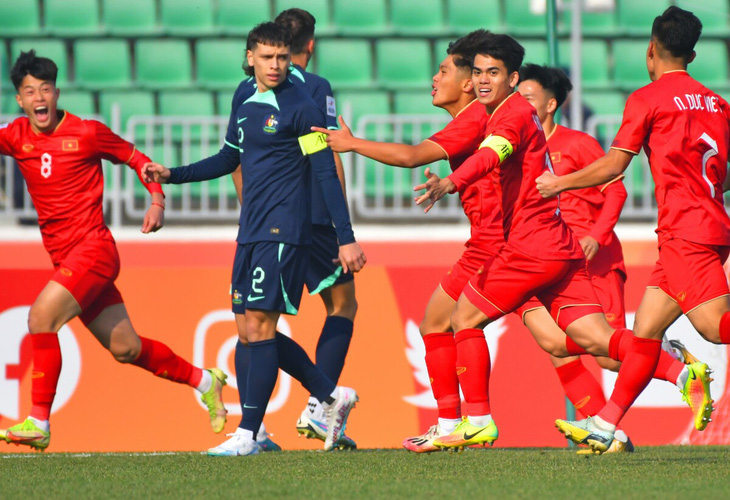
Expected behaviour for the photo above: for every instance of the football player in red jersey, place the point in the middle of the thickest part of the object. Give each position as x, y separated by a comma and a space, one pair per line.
684, 129
592, 214
60, 157
541, 257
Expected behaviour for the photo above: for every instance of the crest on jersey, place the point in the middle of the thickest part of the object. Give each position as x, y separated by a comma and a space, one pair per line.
555, 157
270, 124
70, 145
28, 148
237, 297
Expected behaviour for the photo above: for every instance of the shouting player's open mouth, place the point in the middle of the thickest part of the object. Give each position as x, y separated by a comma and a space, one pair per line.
41, 113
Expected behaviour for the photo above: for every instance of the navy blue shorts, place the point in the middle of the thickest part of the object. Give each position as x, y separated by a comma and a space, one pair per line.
321, 271
268, 276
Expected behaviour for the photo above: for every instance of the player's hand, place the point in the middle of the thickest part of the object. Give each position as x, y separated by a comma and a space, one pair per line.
154, 219
351, 257
340, 141
548, 184
436, 188
590, 246
154, 172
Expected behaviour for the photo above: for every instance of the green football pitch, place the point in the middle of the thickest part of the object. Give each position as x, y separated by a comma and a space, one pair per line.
667, 472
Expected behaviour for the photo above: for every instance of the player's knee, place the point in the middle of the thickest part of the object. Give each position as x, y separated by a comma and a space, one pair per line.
39, 321
126, 350
345, 309
608, 363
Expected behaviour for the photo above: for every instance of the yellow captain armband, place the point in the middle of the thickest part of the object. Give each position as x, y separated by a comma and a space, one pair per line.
313, 143
499, 145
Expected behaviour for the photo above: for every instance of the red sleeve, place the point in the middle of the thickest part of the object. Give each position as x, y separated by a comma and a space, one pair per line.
474, 168
113, 148
634, 126
615, 197
6, 139
462, 135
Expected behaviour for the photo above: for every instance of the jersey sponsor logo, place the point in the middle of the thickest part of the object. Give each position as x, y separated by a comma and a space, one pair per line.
274, 230
70, 145
270, 124
681, 296
555, 157
239, 120
28, 148
254, 299
237, 297
331, 107
66, 271
499, 145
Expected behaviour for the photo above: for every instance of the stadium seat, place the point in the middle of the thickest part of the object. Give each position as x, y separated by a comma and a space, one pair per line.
468, 15
630, 71
219, 63
398, 72
594, 61
599, 23
130, 17
44, 47
8, 103
187, 17
183, 103
318, 8
636, 18
353, 105
163, 63
714, 14
417, 102
71, 19
521, 20
710, 66
78, 102
418, 17
235, 17
536, 51
346, 63
354, 18
223, 100
19, 18
102, 64
131, 103
605, 102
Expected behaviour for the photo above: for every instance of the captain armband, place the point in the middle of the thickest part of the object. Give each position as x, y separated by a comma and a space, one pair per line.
499, 145
313, 143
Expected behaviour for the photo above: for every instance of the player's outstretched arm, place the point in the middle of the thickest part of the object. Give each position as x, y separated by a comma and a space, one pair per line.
154, 218
436, 188
599, 172
154, 172
389, 153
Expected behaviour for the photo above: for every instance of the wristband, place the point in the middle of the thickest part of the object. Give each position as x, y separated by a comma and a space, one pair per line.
159, 205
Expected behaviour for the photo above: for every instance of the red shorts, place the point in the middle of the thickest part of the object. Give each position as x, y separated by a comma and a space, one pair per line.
609, 289
690, 273
562, 286
469, 263
88, 273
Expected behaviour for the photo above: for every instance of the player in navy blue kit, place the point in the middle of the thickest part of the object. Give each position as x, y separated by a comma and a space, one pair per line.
335, 288
269, 135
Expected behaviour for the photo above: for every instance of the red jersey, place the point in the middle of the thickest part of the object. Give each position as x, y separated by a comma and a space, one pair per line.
64, 176
592, 211
516, 149
684, 130
459, 140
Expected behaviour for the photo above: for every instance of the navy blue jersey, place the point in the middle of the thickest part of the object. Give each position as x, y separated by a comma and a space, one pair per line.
263, 134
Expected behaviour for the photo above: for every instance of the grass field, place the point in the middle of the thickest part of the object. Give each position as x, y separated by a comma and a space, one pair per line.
667, 472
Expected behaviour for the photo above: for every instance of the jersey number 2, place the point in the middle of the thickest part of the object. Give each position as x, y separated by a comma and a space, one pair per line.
46, 165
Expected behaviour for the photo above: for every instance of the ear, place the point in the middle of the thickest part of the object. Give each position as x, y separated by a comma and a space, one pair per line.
552, 105
514, 78
651, 50
691, 57
310, 46
467, 86
17, 99
249, 57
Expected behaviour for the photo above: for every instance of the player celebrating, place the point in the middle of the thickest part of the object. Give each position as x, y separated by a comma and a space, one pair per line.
683, 126
268, 135
335, 288
541, 256
60, 157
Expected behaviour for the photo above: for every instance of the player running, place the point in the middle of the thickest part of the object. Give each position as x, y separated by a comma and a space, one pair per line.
269, 136
60, 157
683, 126
541, 256
335, 288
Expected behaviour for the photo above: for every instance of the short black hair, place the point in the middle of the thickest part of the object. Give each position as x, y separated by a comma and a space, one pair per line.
677, 31
28, 63
266, 34
464, 48
300, 25
554, 80
504, 48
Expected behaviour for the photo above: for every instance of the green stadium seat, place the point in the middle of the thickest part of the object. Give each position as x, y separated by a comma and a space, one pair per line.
417, 102
235, 17
636, 17
521, 20
354, 18
102, 64
398, 72
78, 102
223, 100
163, 63
131, 103
710, 66
183, 103
536, 51
130, 17
219, 63
605, 102
594, 61
714, 14
44, 47
187, 17
346, 63
439, 51
630, 72
468, 15
599, 23
320, 9
354, 105
72, 19
19, 18
8, 104
417, 17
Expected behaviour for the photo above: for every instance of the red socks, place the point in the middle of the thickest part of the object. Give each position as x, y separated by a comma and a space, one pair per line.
441, 365
636, 371
473, 367
725, 328
667, 367
159, 359
46, 370
581, 388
